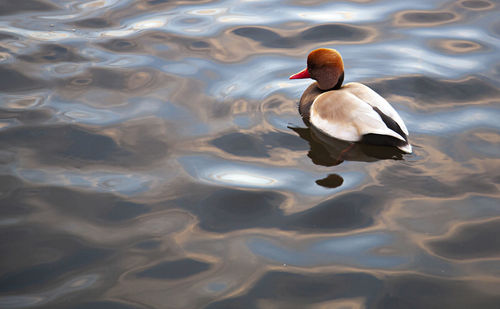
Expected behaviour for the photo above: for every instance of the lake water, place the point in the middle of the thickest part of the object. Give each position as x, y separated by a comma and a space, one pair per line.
152, 156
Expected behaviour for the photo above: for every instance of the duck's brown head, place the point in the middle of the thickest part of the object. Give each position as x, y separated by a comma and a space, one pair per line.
324, 65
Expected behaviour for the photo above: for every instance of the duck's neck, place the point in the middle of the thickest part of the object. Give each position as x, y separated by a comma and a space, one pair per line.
339, 82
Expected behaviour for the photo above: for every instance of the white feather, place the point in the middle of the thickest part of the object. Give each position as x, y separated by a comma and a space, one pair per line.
406, 148
343, 131
344, 115
369, 96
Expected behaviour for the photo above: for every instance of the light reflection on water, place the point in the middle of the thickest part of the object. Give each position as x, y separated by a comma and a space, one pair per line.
266, 177
77, 284
152, 156
352, 250
454, 121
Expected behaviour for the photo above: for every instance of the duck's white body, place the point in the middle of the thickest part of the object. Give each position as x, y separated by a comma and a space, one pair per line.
348, 114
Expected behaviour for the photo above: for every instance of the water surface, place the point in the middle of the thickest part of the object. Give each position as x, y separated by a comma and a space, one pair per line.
152, 156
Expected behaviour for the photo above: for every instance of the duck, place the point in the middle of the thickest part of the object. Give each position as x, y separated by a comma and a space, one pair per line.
352, 112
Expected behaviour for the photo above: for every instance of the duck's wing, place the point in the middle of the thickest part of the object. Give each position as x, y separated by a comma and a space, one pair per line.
381, 106
345, 116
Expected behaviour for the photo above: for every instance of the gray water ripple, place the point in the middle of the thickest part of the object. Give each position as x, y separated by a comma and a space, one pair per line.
152, 156
31, 300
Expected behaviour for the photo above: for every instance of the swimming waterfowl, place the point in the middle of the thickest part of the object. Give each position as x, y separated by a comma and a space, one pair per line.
353, 112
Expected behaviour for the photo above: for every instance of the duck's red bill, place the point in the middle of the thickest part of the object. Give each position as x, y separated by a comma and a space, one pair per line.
302, 74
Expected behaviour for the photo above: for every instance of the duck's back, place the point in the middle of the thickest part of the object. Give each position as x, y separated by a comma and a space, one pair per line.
375, 100
357, 113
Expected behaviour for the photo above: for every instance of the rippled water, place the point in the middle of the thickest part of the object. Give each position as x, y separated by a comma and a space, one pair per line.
152, 156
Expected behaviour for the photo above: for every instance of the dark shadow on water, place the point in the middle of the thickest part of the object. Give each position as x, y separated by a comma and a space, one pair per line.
29, 270
432, 91
256, 145
241, 144
9, 7
321, 33
105, 304
73, 142
328, 151
299, 291
11, 80
230, 209
54, 53
80, 146
6, 36
293, 290
471, 241
331, 181
27, 116
346, 212
120, 45
97, 23
227, 210
426, 17
175, 269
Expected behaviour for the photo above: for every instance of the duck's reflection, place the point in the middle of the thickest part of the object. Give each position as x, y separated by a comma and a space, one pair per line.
331, 181
328, 151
